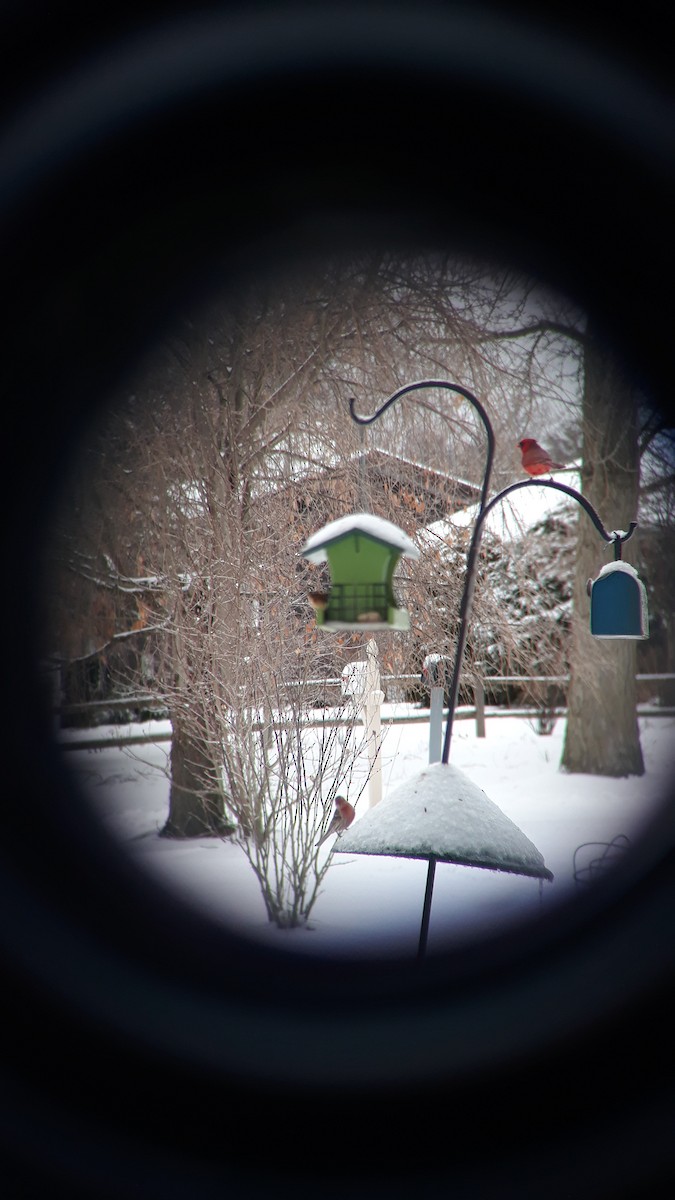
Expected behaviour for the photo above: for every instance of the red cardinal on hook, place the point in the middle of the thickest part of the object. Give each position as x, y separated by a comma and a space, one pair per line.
536, 460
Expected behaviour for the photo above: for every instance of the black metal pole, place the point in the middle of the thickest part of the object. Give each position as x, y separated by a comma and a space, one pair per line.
426, 911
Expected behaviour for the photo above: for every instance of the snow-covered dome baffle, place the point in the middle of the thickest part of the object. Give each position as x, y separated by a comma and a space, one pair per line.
440, 812
365, 523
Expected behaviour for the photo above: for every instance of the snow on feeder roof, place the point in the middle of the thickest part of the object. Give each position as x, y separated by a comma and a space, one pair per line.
441, 814
362, 552
316, 547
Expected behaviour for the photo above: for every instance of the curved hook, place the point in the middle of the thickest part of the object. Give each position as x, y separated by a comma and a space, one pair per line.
452, 387
617, 536
413, 387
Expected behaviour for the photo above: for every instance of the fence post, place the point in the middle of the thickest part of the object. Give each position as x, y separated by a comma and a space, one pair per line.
479, 701
436, 724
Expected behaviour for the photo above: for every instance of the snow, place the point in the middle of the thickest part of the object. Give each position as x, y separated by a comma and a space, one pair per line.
366, 523
440, 811
372, 904
353, 679
518, 512
619, 565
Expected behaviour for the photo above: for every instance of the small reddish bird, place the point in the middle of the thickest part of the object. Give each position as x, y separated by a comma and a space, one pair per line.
342, 818
318, 601
536, 460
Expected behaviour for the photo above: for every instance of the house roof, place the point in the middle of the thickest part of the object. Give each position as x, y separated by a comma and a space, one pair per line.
385, 458
432, 493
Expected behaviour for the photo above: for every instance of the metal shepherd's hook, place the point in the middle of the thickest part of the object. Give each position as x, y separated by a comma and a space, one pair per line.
616, 537
477, 531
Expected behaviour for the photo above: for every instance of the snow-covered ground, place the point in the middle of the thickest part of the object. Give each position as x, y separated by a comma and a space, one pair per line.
372, 905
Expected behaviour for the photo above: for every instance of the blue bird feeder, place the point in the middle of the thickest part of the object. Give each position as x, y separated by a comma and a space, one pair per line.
618, 603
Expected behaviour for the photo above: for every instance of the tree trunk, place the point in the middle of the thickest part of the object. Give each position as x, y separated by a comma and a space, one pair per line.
196, 806
602, 735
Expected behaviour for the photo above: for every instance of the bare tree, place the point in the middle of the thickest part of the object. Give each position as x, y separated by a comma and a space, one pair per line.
602, 734
250, 398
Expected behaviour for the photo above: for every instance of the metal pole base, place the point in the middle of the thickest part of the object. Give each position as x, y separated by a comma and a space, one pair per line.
426, 911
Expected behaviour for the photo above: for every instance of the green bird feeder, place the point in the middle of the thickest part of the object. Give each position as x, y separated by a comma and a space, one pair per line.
362, 553
618, 603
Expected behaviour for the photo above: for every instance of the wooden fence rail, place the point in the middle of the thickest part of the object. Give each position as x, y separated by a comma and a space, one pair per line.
478, 711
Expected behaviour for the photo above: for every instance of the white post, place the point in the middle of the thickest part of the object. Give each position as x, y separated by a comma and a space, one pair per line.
435, 724
479, 701
371, 721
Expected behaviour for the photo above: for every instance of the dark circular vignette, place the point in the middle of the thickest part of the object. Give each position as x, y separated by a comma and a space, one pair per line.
143, 164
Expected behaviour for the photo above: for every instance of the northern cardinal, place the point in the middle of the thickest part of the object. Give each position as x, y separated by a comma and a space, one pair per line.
536, 460
342, 817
